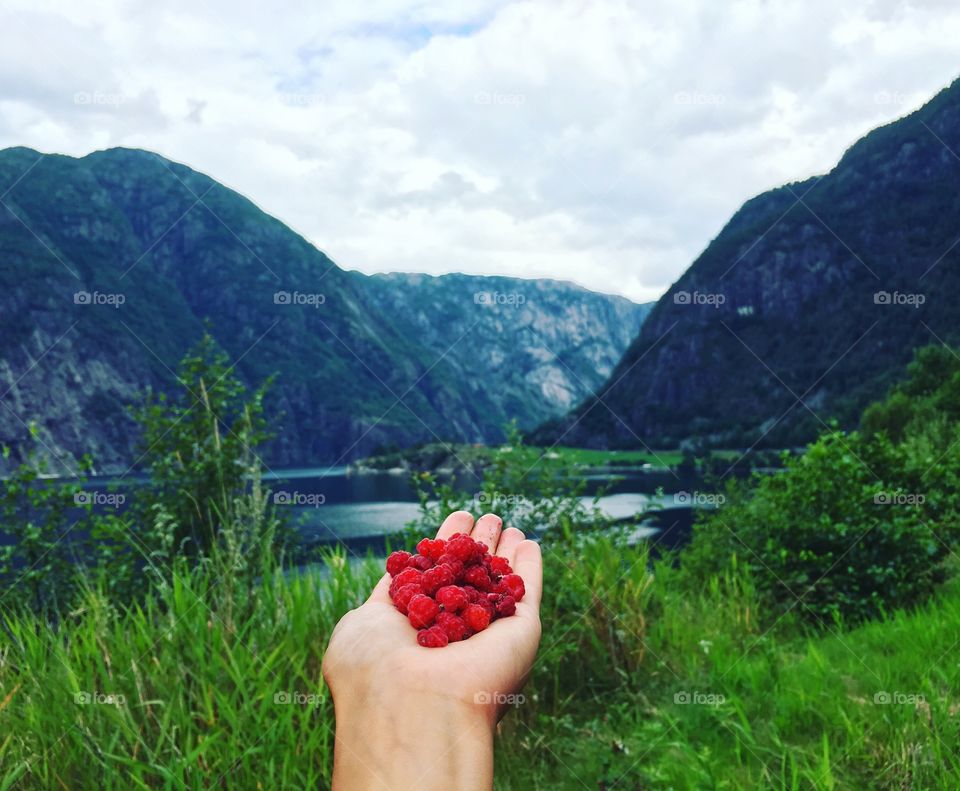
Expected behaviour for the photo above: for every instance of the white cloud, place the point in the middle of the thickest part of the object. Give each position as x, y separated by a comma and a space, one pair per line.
605, 142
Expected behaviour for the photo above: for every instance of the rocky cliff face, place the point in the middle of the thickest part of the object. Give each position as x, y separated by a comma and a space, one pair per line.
537, 346
804, 307
112, 264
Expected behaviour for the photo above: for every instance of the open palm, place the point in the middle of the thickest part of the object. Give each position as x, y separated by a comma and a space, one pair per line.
375, 642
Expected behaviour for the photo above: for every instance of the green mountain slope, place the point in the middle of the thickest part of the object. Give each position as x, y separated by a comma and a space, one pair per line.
112, 264
806, 305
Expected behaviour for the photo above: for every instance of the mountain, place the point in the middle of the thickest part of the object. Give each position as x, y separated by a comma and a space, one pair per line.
540, 345
112, 264
804, 307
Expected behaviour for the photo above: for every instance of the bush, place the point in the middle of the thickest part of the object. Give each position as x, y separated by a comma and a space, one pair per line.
46, 524
203, 502
536, 492
841, 534
199, 449
930, 392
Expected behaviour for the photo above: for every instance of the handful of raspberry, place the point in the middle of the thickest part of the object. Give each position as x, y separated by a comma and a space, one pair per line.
452, 589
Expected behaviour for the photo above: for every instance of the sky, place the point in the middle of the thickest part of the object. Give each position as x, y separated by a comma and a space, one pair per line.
597, 141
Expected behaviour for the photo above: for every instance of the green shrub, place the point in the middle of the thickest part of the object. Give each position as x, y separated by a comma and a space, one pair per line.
840, 534
45, 523
930, 392
539, 493
199, 449
204, 493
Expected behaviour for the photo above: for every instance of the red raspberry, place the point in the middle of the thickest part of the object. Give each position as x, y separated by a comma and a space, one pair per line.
488, 606
513, 584
431, 548
476, 617
500, 565
452, 589
478, 577
407, 577
473, 594
434, 637
421, 611
455, 564
505, 605
453, 626
452, 598
397, 562
401, 599
463, 548
436, 578
421, 562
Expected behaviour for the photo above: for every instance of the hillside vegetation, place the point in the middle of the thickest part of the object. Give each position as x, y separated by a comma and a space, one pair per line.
112, 265
778, 653
804, 308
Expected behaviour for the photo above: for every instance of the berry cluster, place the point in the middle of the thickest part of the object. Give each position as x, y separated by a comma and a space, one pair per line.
452, 589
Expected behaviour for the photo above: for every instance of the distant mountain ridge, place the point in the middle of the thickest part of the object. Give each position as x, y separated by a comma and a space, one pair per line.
546, 345
112, 264
806, 305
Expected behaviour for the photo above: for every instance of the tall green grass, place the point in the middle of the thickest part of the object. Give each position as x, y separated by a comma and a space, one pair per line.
641, 682
189, 690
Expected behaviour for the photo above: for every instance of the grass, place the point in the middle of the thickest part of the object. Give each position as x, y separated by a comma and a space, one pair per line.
438, 454
590, 457
199, 666
193, 676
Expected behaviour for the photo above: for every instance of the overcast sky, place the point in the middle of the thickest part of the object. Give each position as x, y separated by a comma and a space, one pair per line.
601, 142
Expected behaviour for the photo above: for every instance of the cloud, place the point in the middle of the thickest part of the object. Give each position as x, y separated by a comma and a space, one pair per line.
603, 142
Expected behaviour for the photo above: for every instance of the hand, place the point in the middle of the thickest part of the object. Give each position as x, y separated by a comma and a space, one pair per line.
409, 716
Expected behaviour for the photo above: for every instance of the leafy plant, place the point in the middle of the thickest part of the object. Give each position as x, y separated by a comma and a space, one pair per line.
199, 449
204, 501
536, 491
44, 522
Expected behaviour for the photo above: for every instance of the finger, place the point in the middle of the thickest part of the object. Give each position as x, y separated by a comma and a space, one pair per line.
381, 591
487, 530
510, 539
529, 565
457, 522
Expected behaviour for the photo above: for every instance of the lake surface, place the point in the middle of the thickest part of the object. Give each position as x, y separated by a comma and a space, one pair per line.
361, 508
333, 504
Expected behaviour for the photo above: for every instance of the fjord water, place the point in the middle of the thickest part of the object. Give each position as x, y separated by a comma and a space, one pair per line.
335, 504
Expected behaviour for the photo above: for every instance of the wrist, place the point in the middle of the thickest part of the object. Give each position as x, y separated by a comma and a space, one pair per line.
400, 738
